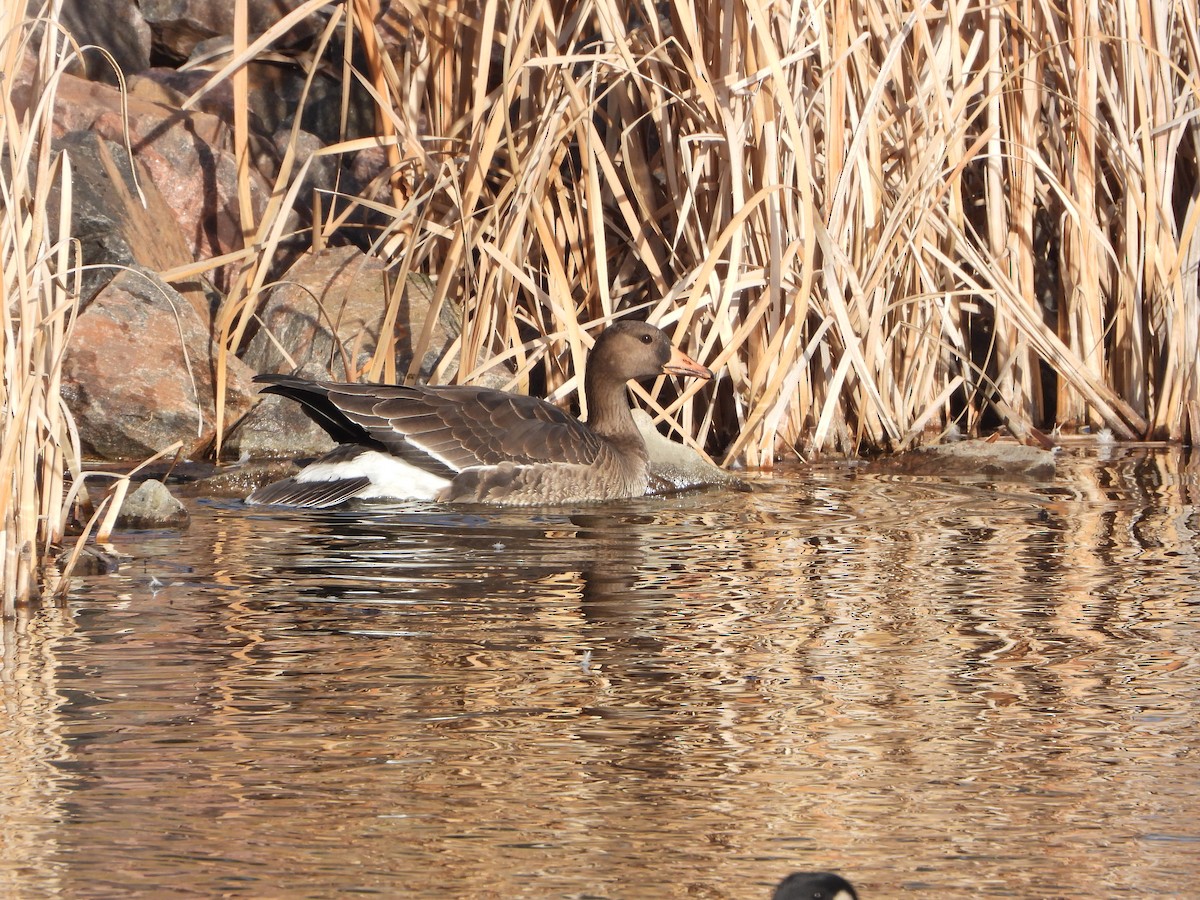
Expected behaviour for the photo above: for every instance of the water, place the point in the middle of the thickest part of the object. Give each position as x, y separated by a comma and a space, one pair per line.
973, 689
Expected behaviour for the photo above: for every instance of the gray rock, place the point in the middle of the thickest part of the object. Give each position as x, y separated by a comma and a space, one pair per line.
277, 427
152, 506
92, 560
327, 313
179, 25
118, 27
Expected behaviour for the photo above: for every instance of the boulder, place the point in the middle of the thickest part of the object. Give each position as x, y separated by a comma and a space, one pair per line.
138, 374
113, 227
189, 156
324, 317
323, 320
327, 298
179, 25
276, 427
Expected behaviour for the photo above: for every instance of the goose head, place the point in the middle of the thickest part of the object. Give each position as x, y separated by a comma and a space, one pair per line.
631, 351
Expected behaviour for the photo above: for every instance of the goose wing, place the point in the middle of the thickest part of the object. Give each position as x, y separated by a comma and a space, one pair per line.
443, 429
461, 426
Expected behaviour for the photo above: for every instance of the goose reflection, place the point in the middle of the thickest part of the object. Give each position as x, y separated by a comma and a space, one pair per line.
386, 560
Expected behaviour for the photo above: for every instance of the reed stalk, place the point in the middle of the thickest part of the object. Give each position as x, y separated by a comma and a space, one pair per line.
39, 290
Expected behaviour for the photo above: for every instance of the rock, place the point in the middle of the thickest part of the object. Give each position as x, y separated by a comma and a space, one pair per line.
138, 372
328, 304
341, 286
92, 560
980, 459
327, 312
273, 98
189, 156
325, 316
176, 472
119, 28
152, 506
369, 169
179, 25
277, 428
112, 225
322, 171
675, 467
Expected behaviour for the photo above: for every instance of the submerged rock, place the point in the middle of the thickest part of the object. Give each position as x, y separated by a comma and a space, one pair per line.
92, 560
985, 459
240, 481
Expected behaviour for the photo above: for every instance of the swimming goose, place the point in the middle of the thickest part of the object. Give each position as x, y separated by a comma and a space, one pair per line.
814, 886
470, 444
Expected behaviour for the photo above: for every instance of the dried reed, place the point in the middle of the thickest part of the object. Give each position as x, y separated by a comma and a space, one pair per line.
39, 287
876, 219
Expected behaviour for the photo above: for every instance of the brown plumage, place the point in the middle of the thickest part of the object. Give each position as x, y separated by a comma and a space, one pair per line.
461, 443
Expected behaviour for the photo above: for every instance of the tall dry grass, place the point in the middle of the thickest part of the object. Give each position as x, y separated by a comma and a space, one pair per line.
42, 479
874, 219
39, 287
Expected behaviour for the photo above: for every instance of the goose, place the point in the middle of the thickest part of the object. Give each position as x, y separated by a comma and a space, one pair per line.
458, 443
814, 886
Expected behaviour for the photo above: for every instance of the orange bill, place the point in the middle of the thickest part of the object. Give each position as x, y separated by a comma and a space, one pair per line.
682, 364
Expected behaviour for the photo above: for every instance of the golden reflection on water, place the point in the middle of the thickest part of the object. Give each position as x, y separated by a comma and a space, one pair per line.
974, 688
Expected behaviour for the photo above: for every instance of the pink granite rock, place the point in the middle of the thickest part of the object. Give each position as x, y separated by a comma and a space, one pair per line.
138, 374
189, 156
112, 225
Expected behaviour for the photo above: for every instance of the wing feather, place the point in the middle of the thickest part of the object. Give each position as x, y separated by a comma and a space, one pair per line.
444, 429
462, 426
309, 494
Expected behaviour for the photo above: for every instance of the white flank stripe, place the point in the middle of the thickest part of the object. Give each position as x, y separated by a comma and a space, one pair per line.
390, 477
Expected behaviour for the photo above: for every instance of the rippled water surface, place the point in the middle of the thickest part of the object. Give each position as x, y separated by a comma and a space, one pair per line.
969, 687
